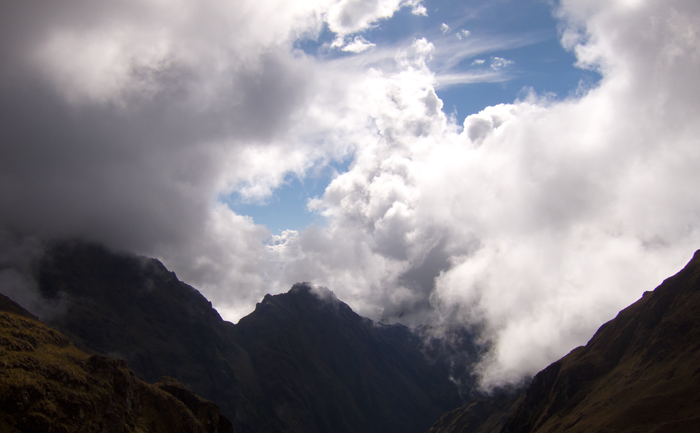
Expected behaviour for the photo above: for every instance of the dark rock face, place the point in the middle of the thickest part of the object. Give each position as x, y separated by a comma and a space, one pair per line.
301, 362
639, 372
48, 385
326, 369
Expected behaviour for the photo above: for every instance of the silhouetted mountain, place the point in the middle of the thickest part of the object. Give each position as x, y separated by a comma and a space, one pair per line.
303, 361
48, 385
133, 308
639, 372
326, 369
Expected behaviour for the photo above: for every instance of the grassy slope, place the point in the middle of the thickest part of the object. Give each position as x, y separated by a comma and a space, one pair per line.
639, 373
47, 384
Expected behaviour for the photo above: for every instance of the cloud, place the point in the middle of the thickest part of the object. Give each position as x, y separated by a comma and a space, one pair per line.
18, 258
450, 52
540, 219
462, 34
444, 28
353, 16
500, 63
124, 123
358, 45
419, 9
537, 220
446, 80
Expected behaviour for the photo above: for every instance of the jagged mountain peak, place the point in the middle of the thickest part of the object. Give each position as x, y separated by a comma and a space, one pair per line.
303, 306
303, 361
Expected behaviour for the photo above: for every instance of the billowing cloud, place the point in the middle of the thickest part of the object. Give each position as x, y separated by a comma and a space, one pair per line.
125, 122
358, 45
539, 219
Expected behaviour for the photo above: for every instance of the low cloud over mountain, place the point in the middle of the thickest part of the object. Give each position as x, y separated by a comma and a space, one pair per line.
126, 123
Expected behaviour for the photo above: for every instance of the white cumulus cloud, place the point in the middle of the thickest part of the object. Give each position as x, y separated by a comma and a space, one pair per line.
539, 220
358, 45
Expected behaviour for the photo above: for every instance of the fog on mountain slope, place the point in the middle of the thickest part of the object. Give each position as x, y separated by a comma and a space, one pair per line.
536, 220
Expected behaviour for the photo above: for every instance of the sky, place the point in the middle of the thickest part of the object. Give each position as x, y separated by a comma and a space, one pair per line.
527, 167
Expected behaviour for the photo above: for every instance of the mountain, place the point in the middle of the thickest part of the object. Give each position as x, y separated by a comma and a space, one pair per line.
327, 369
303, 361
639, 373
48, 385
133, 308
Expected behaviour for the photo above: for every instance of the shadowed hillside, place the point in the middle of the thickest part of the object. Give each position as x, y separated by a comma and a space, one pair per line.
48, 385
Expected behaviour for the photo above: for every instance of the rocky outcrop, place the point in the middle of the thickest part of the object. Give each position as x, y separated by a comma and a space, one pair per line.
206, 412
133, 308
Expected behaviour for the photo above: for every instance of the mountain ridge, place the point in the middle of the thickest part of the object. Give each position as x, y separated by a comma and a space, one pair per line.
303, 361
133, 307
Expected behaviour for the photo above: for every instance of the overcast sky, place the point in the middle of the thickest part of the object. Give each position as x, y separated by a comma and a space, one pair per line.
528, 166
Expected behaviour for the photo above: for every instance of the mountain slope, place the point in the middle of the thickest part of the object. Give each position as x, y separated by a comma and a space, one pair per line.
48, 385
298, 363
639, 373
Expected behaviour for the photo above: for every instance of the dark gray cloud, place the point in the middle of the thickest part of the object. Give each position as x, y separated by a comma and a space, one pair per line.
127, 166
123, 123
